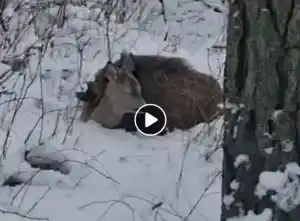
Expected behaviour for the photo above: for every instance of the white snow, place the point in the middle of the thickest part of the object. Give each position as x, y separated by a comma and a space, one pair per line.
113, 175
276, 114
266, 215
228, 200
293, 168
241, 158
269, 150
287, 145
272, 180
285, 184
234, 185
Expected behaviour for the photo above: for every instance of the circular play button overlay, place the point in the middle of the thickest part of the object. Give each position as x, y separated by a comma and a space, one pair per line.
150, 119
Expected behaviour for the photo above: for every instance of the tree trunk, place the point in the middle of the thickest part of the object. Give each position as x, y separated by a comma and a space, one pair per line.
261, 137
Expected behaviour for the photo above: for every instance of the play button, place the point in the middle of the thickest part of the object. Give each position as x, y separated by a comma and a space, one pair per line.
150, 120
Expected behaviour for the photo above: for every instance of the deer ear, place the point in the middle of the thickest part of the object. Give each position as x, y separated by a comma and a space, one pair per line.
111, 72
127, 61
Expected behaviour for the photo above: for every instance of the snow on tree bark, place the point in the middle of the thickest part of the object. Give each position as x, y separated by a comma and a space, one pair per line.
263, 71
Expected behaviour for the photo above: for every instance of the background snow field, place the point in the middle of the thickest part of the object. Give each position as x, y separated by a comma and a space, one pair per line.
107, 174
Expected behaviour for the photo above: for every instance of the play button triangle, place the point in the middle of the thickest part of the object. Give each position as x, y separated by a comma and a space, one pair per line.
149, 120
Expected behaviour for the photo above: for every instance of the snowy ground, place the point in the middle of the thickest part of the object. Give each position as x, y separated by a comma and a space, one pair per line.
113, 175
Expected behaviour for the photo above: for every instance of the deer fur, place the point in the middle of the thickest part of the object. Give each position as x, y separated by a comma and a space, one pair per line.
188, 96
121, 94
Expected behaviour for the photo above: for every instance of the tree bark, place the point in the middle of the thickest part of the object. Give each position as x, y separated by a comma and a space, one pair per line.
262, 129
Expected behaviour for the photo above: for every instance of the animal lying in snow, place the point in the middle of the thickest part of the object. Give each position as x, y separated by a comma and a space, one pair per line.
187, 96
121, 98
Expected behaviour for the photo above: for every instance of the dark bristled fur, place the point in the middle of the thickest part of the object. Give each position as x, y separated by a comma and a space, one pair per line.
187, 96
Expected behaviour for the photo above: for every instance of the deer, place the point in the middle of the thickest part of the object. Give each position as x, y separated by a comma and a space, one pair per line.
188, 97
120, 99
